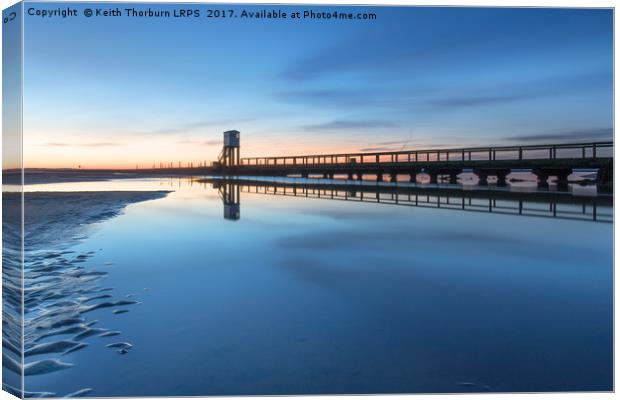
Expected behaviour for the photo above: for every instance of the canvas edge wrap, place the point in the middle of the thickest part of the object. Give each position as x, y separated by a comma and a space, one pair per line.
12, 201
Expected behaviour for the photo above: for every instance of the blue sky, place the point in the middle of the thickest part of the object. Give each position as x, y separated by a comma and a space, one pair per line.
125, 91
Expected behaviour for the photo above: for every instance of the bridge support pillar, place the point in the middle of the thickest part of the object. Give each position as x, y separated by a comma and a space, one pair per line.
542, 177
501, 177
482, 177
562, 178
605, 176
561, 175
543, 181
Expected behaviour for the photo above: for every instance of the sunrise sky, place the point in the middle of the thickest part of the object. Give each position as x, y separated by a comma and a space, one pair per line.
121, 92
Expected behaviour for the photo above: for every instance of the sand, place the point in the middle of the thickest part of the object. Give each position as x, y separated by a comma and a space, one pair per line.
61, 287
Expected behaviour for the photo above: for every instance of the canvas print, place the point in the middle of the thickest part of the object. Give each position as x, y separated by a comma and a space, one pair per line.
234, 199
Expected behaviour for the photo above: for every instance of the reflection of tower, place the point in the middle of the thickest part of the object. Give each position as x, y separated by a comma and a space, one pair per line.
230, 194
230, 152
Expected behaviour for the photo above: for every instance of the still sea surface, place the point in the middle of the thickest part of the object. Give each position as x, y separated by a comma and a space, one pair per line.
305, 296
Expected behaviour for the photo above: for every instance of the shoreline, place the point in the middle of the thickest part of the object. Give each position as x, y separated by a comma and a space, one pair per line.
62, 285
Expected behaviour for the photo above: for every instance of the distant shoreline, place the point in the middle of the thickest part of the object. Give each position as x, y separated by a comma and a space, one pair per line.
39, 176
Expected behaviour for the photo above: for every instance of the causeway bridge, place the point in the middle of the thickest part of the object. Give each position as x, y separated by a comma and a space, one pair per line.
544, 161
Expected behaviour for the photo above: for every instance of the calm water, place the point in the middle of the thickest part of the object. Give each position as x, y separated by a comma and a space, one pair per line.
308, 295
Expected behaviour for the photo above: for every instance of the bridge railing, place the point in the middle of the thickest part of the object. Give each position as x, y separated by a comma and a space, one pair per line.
531, 152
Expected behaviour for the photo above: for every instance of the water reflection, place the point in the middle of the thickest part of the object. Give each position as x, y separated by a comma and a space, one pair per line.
230, 193
322, 288
545, 204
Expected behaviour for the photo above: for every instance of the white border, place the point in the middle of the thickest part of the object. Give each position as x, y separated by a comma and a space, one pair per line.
480, 3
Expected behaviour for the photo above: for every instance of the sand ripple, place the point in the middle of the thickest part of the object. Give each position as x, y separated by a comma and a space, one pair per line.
61, 287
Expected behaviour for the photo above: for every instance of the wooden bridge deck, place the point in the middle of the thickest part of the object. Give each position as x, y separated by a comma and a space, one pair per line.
543, 160
582, 151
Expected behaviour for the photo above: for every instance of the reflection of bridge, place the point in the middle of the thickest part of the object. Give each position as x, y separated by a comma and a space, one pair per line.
230, 194
534, 204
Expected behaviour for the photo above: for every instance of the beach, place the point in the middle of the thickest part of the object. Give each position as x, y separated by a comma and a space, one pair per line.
61, 285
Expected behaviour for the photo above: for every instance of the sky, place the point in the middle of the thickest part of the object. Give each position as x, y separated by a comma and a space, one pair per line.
11, 90
125, 92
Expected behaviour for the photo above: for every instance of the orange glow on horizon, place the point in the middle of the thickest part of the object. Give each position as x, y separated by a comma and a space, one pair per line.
117, 157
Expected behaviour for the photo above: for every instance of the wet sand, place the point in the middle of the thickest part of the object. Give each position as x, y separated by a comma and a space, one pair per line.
61, 287
35, 176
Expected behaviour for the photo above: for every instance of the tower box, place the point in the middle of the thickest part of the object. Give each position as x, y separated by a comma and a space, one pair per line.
231, 138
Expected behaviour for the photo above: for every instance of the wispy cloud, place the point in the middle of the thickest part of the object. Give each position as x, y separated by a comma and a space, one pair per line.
480, 100
379, 52
436, 145
182, 128
330, 97
377, 149
349, 124
82, 144
388, 145
195, 125
404, 145
201, 142
581, 134
375, 98
391, 142
364, 53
